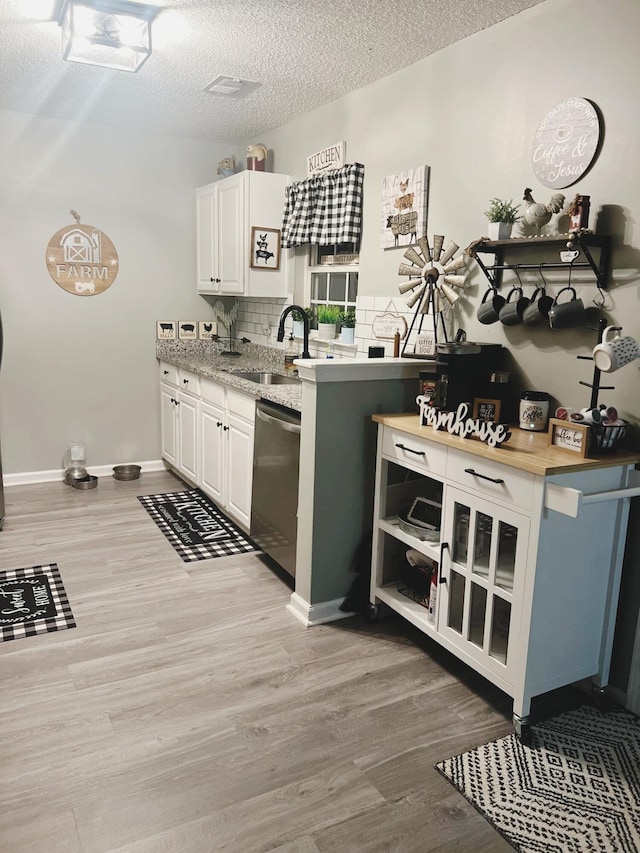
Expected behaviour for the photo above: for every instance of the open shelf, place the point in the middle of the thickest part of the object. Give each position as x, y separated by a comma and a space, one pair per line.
600, 267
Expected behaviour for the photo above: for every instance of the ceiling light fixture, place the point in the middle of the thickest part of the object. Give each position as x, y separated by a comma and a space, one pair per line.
110, 33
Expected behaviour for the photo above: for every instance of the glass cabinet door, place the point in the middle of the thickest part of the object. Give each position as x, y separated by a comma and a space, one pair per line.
483, 568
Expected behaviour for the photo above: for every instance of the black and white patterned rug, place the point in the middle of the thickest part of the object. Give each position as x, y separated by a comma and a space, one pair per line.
575, 789
195, 526
33, 601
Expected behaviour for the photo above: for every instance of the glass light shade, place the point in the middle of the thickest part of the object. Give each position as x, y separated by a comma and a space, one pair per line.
109, 34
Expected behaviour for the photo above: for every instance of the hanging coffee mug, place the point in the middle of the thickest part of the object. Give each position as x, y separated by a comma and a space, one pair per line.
615, 351
512, 311
567, 315
489, 309
537, 311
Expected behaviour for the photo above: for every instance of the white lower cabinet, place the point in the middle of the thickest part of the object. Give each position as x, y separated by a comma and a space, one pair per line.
169, 422
227, 422
207, 436
524, 594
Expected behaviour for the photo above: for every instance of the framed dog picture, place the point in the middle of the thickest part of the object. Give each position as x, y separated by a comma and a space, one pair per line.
265, 248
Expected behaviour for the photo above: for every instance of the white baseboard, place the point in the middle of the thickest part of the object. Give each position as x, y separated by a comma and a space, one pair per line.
57, 474
316, 614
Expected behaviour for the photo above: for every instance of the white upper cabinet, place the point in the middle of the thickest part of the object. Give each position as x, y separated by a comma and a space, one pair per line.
226, 211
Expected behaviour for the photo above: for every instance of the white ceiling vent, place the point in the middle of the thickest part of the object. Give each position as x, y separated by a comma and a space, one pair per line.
231, 87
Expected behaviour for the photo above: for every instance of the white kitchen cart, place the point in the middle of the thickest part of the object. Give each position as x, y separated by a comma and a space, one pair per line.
529, 556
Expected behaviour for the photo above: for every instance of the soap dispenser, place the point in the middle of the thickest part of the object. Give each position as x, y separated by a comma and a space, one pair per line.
291, 353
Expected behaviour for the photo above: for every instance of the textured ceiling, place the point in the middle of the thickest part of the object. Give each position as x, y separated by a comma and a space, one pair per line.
305, 53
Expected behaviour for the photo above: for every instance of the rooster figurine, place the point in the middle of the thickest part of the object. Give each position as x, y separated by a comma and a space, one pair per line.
537, 215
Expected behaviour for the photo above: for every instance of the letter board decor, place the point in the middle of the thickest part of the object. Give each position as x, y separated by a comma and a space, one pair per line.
82, 259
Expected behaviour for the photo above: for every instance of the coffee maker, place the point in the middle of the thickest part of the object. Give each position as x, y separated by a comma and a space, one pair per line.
460, 370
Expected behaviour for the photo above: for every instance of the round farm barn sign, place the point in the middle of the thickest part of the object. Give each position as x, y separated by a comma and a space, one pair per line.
566, 143
82, 260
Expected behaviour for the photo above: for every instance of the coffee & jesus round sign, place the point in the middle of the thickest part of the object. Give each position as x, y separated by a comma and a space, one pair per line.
566, 143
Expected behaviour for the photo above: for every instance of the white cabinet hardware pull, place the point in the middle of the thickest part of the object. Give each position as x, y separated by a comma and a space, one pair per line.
409, 450
482, 476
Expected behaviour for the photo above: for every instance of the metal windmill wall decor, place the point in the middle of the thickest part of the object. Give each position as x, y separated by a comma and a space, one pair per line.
434, 278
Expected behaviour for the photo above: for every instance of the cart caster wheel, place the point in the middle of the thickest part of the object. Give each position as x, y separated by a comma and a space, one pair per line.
601, 699
525, 735
523, 731
372, 613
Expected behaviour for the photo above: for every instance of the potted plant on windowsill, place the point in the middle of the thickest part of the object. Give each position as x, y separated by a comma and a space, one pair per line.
298, 321
348, 326
501, 215
328, 318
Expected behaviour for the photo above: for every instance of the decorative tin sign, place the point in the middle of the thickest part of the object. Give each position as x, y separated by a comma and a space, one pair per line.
566, 143
403, 211
187, 331
166, 331
82, 259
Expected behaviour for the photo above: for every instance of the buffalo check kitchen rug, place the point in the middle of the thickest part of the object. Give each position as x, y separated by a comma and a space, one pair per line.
33, 601
576, 789
195, 526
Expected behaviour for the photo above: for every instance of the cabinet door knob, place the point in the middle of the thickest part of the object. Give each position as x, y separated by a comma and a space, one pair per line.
225, 428
185, 381
219, 424
212, 278
409, 450
482, 476
166, 372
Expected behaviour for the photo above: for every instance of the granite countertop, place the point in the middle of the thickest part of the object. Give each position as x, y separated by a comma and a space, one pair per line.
206, 359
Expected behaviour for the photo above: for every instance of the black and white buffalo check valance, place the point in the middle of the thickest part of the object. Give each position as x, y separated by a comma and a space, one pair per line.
325, 209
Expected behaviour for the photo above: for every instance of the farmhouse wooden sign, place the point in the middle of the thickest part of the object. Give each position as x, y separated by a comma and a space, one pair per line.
566, 143
82, 259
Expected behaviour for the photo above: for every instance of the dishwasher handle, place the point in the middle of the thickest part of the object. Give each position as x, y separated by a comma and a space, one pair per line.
282, 424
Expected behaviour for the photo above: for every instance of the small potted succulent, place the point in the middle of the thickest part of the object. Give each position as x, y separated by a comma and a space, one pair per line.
348, 326
328, 319
501, 215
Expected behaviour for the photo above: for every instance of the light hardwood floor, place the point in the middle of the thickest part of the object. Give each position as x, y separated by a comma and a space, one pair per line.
189, 712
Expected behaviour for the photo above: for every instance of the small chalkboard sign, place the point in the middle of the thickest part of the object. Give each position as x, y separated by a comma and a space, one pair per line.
568, 435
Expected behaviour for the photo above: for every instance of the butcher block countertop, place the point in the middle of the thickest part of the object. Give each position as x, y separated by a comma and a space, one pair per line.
528, 451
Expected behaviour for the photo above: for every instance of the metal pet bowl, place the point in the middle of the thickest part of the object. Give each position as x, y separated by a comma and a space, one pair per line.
88, 482
126, 472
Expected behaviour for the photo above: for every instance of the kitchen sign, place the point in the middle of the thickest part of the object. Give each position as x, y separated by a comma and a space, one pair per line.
82, 259
329, 158
566, 143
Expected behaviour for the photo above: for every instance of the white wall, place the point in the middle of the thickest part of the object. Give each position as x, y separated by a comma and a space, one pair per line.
84, 368
470, 113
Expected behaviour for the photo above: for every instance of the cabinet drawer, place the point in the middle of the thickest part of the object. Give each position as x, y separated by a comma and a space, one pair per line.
241, 405
211, 392
168, 373
189, 383
491, 478
416, 453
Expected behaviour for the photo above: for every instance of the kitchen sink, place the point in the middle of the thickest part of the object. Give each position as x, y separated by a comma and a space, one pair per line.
267, 378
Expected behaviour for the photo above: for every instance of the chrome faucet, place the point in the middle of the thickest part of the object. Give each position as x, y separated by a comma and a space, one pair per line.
305, 322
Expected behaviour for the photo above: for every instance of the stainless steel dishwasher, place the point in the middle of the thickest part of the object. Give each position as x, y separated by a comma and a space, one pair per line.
274, 502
